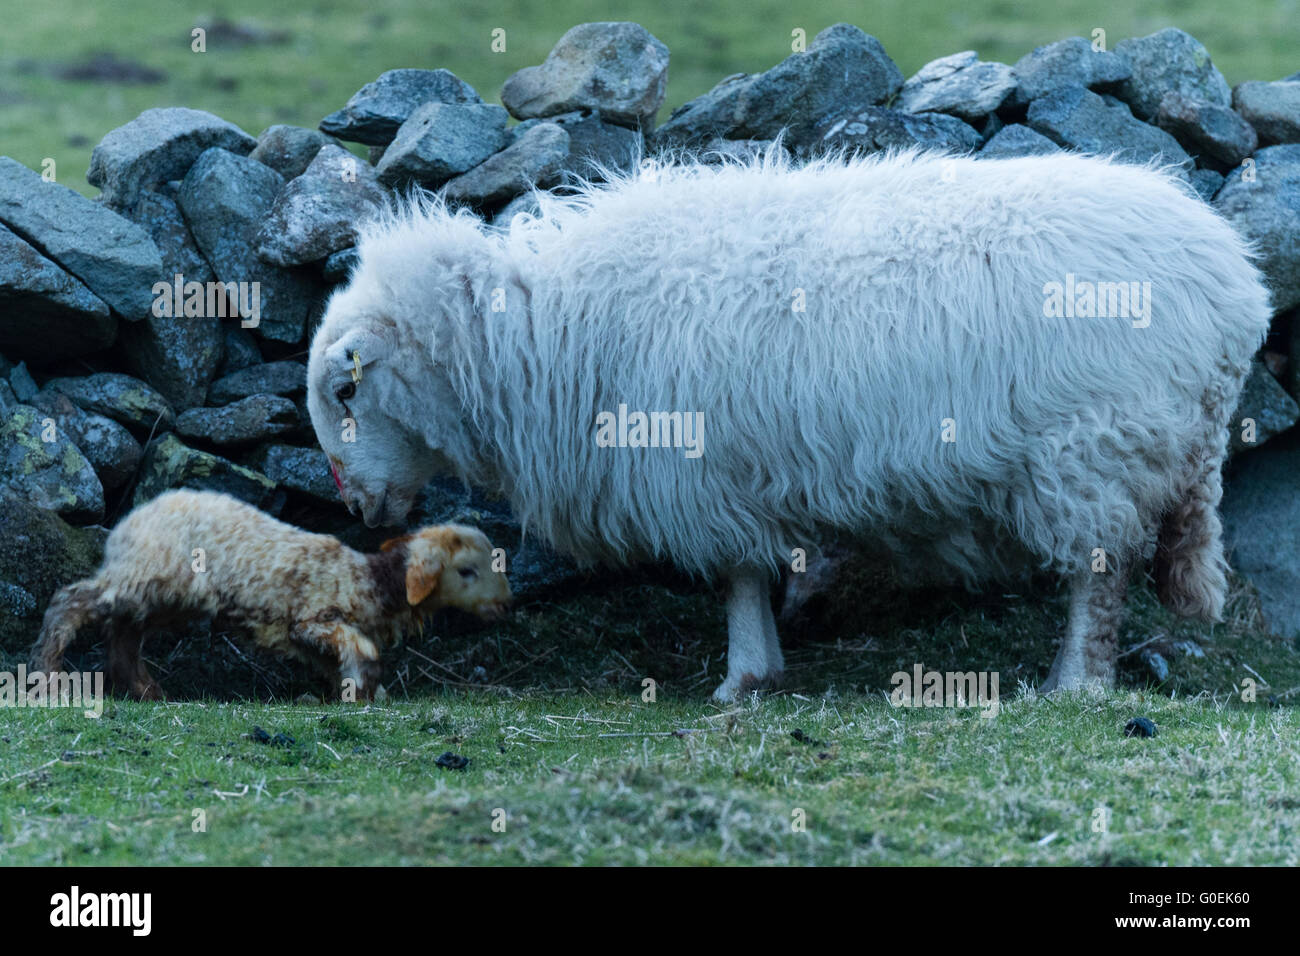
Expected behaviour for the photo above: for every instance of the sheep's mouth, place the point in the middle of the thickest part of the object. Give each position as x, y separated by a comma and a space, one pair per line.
373, 511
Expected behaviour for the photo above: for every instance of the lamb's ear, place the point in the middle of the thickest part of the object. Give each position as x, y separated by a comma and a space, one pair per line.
365, 344
422, 576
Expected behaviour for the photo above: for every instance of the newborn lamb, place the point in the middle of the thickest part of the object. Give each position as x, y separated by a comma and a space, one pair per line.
190, 553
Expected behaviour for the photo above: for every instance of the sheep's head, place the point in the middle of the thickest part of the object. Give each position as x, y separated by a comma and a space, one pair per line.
451, 566
381, 399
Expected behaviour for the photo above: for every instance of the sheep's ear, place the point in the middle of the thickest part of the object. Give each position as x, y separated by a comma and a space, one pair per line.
422, 579
365, 344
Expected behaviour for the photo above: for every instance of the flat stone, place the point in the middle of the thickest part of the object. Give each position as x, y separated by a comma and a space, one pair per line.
170, 463
877, 128
442, 140
842, 71
109, 447
1068, 62
960, 84
1014, 141
1273, 109
1207, 129
45, 312
302, 470
1265, 402
113, 256
268, 378
156, 147
122, 398
534, 159
243, 422
376, 111
617, 68
1080, 119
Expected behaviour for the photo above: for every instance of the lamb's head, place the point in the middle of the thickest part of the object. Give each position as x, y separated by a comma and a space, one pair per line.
450, 565
379, 386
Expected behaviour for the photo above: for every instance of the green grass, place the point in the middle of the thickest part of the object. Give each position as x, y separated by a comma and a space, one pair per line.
329, 48
559, 737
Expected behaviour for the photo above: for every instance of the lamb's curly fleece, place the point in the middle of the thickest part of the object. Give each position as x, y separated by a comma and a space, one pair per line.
923, 277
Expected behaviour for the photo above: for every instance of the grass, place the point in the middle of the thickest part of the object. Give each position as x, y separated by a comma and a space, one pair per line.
548, 709
301, 61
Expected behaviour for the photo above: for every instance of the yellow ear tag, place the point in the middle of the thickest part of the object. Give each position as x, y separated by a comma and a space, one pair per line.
356, 367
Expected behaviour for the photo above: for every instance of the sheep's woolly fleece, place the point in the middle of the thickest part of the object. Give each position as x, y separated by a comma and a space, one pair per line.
922, 280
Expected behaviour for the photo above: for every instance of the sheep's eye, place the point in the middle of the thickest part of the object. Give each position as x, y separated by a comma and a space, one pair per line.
469, 574
345, 391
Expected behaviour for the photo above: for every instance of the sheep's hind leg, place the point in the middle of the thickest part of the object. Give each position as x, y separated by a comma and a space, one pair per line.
1089, 647
753, 648
127, 671
357, 655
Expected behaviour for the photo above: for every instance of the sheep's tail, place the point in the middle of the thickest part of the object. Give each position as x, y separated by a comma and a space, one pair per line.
1190, 568
71, 609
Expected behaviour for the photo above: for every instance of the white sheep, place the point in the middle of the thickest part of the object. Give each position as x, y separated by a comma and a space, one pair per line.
187, 554
900, 347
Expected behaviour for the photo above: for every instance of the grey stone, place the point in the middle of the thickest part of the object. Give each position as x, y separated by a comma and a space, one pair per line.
243, 422
1080, 119
959, 84
53, 473
1206, 183
1168, 60
21, 381
319, 212
122, 398
1205, 128
302, 470
109, 447
177, 354
1016, 140
226, 199
338, 267
289, 150
43, 554
593, 143
268, 378
878, 128
1273, 109
170, 463
376, 111
742, 150
442, 140
842, 70
1261, 511
1068, 62
1264, 204
1156, 664
524, 204
46, 313
240, 350
112, 255
7, 397
534, 159
156, 147
1264, 402
617, 68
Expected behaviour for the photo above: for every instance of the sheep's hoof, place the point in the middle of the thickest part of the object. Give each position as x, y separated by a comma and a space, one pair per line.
737, 686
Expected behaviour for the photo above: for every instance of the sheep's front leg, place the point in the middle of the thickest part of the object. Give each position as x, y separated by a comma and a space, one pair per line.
753, 647
357, 655
1089, 648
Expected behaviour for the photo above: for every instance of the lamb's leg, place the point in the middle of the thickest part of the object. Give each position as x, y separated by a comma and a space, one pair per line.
71, 609
357, 655
753, 647
1089, 647
126, 667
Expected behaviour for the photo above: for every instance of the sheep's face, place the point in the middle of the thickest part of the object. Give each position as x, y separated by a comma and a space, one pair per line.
366, 416
451, 566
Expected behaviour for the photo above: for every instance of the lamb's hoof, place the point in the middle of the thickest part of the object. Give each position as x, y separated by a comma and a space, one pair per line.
737, 686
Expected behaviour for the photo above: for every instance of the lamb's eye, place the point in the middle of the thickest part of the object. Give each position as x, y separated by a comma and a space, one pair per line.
345, 391
469, 574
